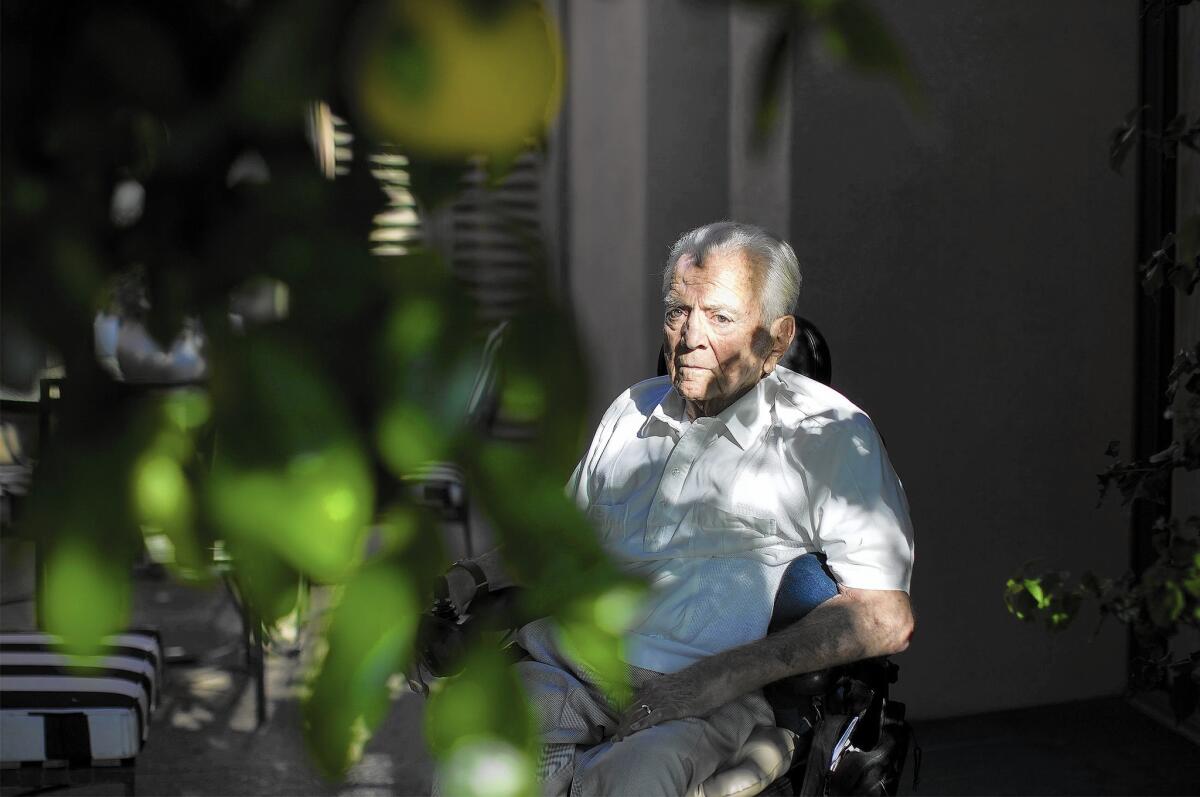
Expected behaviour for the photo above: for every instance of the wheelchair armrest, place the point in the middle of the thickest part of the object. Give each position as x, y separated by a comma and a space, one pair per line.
497, 610
442, 642
809, 684
796, 691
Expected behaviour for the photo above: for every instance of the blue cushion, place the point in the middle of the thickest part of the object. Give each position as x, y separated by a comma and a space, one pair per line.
806, 584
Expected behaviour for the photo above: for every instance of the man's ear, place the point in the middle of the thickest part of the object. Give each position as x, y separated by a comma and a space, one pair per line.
783, 332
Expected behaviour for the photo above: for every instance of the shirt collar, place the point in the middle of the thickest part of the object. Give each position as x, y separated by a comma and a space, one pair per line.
745, 419
669, 411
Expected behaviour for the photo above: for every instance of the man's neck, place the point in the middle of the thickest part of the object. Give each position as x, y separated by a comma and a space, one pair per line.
707, 408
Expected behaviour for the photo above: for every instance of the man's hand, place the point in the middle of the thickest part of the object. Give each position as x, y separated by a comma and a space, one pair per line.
691, 692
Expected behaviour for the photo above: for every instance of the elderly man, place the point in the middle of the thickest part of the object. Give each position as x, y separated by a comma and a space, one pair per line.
707, 483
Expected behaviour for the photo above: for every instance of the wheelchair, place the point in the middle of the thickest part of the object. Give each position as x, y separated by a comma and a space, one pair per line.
836, 732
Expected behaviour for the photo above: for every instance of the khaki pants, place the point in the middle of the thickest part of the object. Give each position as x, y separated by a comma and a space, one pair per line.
579, 757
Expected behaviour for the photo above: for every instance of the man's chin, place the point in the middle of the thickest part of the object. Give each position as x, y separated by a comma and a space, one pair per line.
691, 389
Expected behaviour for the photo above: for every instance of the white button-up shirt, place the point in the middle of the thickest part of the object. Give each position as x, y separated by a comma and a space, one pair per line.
710, 512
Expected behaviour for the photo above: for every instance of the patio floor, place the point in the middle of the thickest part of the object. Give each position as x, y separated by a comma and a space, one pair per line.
204, 740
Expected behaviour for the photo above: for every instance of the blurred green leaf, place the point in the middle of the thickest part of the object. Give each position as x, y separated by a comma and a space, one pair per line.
529, 509
408, 439
415, 325
397, 528
369, 639
289, 472
80, 509
539, 349
856, 34
598, 649
1063, 609
1018, 601
161, 492
313, 510
487, 766
85, 595
615, 609
523, 399
481, 729
772, 72
288, 62
572, 579
1047, 597
498, 165
435, 182
1034, 587
268, 583
188, 409
1165, 603
426, 365
272, 402
407, 60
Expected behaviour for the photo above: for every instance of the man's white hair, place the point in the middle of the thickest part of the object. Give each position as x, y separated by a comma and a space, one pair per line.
775, 264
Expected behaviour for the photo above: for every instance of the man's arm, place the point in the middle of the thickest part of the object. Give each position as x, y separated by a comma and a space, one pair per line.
855, 624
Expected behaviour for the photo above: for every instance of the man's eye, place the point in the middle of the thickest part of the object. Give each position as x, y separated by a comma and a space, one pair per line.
674, 312
722, 319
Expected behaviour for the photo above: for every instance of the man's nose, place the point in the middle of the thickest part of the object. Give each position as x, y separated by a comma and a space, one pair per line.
693, 331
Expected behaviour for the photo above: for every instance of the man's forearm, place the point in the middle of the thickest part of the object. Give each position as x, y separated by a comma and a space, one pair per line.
844, 629
854, 625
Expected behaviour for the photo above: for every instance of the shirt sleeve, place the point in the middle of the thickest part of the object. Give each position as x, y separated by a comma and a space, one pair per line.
864, 527
579, 487
576, 488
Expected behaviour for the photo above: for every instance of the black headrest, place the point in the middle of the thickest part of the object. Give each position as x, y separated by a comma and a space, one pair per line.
809, 354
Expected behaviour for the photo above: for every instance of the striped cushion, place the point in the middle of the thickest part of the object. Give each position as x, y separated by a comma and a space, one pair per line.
52, 708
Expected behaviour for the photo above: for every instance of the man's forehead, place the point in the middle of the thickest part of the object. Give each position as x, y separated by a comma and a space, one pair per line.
725, 271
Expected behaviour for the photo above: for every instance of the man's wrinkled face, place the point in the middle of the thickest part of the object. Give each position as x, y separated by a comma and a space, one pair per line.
716, 343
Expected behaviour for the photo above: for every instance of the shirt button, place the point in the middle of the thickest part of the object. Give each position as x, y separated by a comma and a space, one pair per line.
676, 471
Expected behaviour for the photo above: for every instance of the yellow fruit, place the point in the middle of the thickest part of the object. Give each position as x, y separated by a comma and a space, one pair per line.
445, 81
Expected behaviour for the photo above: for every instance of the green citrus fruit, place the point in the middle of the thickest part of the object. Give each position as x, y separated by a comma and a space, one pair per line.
447, 80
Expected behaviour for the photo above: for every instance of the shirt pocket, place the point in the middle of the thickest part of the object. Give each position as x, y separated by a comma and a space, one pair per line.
608, 520
708, 530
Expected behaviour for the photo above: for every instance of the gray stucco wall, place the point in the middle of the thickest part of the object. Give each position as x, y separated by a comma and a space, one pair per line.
607, 187
973, 271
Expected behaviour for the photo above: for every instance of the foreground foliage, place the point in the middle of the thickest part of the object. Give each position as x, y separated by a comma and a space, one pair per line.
156, 165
